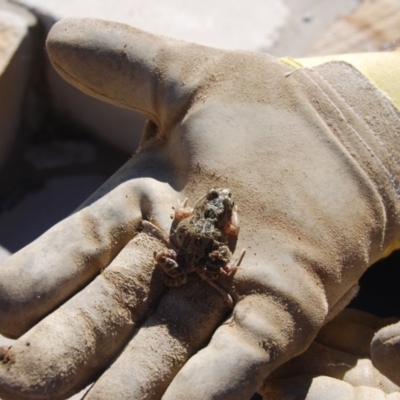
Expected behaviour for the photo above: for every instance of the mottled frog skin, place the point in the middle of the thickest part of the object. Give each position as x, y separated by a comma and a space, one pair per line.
199, 240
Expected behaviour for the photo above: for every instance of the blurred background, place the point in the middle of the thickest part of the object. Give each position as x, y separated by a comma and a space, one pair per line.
58, 145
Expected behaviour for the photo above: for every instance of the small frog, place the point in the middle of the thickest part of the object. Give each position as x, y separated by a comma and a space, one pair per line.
199, 241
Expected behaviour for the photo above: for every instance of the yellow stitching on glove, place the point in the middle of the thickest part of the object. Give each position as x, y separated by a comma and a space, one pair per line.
382, 69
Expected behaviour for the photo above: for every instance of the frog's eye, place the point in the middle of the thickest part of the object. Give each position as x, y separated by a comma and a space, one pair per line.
212, 194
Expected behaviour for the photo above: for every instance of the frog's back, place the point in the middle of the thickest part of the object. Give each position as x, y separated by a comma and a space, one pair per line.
196, 237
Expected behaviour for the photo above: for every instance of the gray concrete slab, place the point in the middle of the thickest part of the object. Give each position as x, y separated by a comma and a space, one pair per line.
307, 22
242, 24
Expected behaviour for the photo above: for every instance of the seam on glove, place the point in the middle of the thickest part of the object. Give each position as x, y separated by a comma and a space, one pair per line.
378, 121
356, 134
381, 68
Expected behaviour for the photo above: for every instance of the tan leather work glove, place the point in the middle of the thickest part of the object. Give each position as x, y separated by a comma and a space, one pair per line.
337, 365
310, 156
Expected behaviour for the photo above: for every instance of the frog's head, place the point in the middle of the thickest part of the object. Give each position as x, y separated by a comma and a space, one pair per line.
219, 204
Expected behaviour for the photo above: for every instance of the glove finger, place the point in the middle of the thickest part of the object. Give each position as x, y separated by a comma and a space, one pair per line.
366, 319
340, 351
125, 66
67, 349
183, 322
321, 360
264, 331
385, 351
322, 387
40, 277
351, 332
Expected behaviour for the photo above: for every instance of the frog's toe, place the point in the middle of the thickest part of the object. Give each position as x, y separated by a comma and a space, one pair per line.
182, 211
221, 256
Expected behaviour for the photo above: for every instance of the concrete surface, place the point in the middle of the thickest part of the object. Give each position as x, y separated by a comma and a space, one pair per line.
308, 20
373, 26
241, 24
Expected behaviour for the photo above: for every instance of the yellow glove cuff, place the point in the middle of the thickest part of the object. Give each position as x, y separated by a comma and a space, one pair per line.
382, 69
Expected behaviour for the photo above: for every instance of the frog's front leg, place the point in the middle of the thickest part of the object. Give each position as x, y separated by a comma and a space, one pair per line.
209, 276
222, 258
232, 227
182, 211
233, 265
219, 264
174, 274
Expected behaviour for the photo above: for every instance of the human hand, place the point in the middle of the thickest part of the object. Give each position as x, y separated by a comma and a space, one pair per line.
337, 365
316, 210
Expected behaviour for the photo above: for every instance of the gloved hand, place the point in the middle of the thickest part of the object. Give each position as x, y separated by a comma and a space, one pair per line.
310, 157
337, 365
